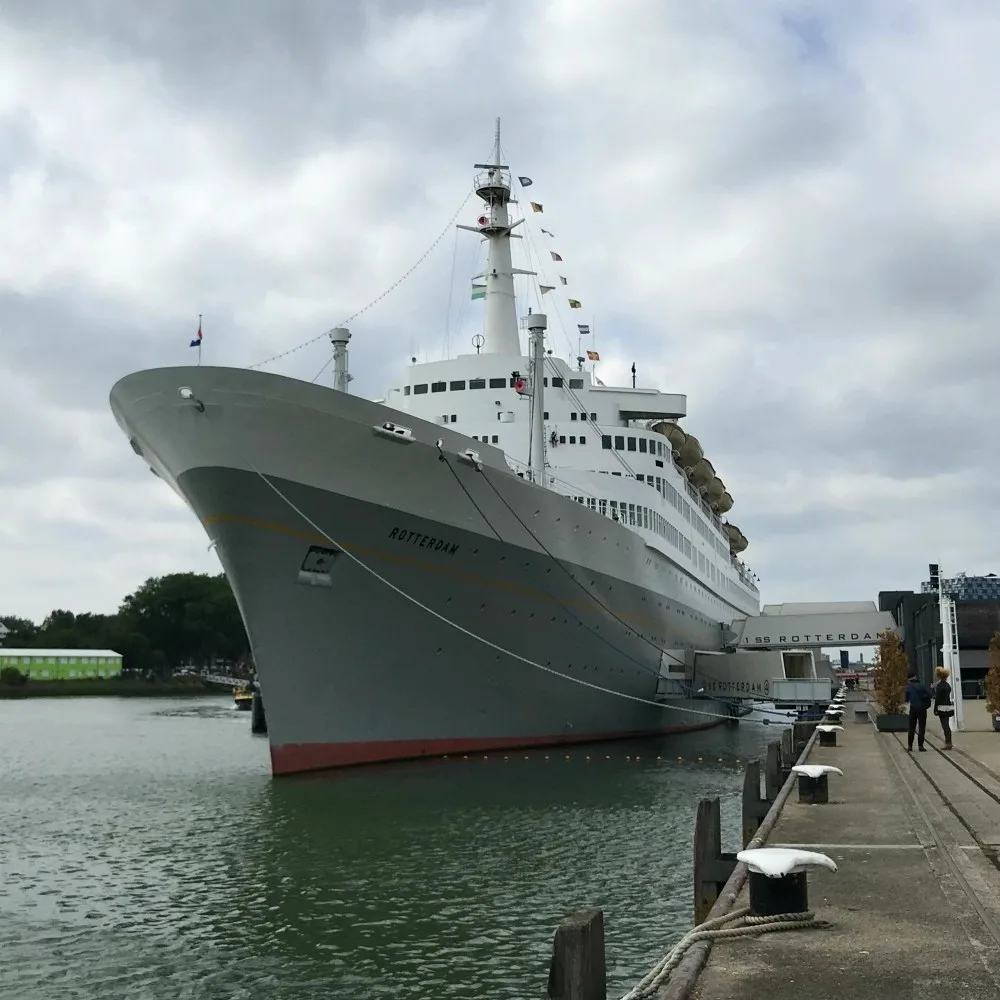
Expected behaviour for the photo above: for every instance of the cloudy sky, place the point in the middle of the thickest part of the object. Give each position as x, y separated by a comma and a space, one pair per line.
788, 210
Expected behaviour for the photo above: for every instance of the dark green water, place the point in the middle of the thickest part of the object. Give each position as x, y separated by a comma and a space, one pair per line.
145, 852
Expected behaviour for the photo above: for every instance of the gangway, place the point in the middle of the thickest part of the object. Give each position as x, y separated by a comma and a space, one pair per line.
811, 625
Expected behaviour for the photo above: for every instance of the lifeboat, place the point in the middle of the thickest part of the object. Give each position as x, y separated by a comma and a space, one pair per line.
724, 503
702, 474
690, 453
737, 540
673, 433
715, 489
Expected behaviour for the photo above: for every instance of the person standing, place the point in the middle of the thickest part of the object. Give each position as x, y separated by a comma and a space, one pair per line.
944, 707
919, 697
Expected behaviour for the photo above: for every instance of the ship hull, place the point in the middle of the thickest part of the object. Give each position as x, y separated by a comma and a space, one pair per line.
401, 606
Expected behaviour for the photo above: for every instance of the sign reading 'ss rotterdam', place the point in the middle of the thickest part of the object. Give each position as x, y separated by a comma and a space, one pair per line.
859, 628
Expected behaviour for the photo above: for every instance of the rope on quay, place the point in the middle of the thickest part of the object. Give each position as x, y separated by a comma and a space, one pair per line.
715, 929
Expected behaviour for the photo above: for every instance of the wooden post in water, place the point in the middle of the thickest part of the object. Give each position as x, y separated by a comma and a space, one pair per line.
788, 754
577, 971
772, 771
802, 731
712, 867
754, 807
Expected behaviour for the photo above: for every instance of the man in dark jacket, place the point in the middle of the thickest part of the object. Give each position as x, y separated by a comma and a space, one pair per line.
919, 697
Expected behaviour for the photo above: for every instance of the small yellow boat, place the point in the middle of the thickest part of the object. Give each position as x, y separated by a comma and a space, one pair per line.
243, 698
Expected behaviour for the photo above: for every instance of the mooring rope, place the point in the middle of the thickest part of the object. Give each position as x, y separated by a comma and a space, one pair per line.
714, 930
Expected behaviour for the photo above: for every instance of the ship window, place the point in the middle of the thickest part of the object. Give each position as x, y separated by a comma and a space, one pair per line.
454, 418
477, 383
495, 438
641, 478
659, 464
419, 390
572, 439
498, 383
583, 440
545, 415
642, 445
562, 438
616, 474
545, 381
583, 415
572, 416
576, 383
606, 441
406, 390
631, 444
438, 386
619, 442
475, 437
603, 507
557, 382
593, 417
455, 386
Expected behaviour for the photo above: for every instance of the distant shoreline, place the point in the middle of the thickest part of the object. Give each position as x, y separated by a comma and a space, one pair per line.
121, 687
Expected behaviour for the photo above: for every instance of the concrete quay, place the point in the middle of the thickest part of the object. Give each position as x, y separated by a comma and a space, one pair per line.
914, 909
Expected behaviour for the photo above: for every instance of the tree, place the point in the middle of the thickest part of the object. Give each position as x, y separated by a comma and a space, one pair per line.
22, 632
167, 621
993, 677
889, 673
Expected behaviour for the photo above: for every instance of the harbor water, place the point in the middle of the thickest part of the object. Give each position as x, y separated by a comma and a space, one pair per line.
145, 852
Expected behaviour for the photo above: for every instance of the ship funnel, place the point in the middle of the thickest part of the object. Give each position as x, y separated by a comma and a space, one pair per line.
340, 338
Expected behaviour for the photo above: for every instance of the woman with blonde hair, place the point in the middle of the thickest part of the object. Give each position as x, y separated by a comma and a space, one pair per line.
944, 708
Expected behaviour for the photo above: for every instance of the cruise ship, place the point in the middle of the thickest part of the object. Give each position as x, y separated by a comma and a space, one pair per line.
502, 552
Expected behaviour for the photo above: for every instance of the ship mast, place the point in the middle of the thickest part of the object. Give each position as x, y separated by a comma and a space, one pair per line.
492, 185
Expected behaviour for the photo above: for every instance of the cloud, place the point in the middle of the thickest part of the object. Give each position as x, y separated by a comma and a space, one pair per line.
787, 210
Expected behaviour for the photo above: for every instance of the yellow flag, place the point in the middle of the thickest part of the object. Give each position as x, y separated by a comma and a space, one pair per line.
575, 304
535, 206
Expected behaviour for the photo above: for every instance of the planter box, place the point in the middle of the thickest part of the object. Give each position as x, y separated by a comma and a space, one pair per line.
891, 723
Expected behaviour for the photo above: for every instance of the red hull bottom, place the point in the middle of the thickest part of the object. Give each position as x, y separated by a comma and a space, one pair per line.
295, 758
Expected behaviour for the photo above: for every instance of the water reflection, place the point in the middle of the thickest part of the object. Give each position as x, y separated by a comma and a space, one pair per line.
148, 853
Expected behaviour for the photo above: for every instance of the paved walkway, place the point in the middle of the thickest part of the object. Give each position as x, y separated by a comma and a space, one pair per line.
915, 905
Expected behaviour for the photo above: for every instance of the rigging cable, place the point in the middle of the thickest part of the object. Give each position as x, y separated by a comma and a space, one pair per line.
406, 274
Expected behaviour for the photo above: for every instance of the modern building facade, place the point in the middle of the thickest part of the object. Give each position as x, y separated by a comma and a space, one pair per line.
977, 610
63, 664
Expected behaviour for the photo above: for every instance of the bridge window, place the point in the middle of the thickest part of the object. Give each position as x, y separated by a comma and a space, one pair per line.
576, 383
606, 441
572, 416
642, 445
459, 384
477, 383
420, 390
438, 386
498, 383
557, 382
406, 390
631, 444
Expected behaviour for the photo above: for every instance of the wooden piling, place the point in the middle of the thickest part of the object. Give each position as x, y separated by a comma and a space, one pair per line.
578, 971
772, 771
712, 867
258, 720
754, 807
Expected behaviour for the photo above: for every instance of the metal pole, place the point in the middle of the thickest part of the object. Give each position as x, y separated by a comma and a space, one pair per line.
949, 649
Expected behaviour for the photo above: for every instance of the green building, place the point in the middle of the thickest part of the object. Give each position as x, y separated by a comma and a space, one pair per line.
63, 664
